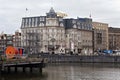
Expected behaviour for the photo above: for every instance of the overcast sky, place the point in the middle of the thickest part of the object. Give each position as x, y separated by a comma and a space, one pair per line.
12, 11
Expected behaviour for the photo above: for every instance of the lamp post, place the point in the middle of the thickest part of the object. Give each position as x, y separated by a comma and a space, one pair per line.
71, 46
53, 46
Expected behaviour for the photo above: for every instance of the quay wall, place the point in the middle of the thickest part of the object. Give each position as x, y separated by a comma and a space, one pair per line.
82, 59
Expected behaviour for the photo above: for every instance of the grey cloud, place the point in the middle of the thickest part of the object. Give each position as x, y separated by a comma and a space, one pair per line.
12, 11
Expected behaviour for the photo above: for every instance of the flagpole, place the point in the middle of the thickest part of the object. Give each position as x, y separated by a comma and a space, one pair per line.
51, 3
90, 15
26, 12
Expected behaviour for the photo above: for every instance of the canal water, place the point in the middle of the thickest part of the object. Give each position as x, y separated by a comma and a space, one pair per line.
71, 71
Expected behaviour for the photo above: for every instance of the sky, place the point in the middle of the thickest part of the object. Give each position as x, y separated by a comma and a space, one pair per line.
12, 11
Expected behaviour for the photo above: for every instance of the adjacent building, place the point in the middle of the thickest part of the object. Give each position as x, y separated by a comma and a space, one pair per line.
79, 35
114, 38
17, 39
5, 40
100, 36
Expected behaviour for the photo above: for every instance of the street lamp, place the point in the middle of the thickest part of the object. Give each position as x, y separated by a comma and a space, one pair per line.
53, 46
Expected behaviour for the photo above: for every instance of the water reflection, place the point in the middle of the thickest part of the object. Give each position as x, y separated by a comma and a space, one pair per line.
83, 71
71, 71
23, 76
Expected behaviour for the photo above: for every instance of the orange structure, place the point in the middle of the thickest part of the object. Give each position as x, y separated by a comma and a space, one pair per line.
11, 52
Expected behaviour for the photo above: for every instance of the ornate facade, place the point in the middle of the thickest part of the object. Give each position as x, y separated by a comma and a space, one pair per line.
5, 41
43, 33
52, 33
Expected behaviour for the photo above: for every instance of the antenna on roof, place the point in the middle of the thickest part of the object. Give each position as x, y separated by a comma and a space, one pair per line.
90, 16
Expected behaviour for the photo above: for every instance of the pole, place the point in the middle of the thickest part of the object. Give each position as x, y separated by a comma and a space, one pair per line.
15, 69
23, 69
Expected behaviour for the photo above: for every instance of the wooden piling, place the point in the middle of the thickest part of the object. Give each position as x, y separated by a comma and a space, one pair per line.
31, 69
16, 69
0, 69
30, 63
24, 69
8, 69
40, 70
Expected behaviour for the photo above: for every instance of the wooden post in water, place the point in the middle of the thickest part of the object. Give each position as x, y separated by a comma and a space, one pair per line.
16, 69
23, 69
40, 69
8, 69
0, 68
31, 69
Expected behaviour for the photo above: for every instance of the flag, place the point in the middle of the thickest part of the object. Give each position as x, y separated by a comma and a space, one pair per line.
90, 15
26, 9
